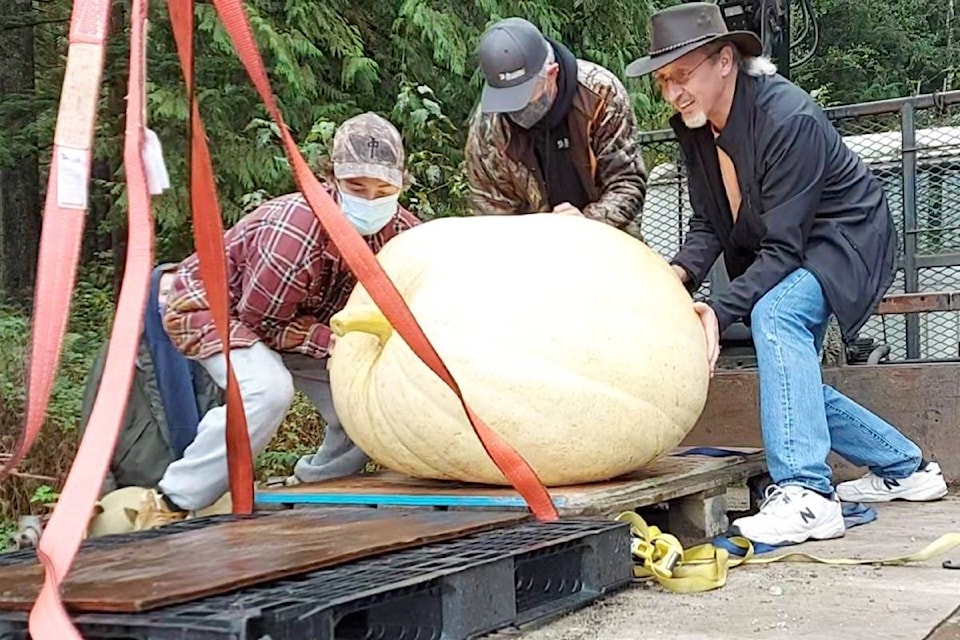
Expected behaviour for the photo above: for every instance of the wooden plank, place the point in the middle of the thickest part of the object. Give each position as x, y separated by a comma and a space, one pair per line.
678, 476
665, 479
898, 303
948, 629
138, 576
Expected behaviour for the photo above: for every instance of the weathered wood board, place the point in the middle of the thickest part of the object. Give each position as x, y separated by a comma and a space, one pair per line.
670, 477
948, 629
139, 576
921, 399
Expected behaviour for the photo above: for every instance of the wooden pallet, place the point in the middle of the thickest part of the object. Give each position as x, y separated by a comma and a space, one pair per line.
513, 576
697, 490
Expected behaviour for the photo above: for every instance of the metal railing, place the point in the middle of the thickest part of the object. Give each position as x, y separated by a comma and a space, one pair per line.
913, 146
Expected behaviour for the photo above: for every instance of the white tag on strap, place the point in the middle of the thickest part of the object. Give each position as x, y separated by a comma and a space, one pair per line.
157, 177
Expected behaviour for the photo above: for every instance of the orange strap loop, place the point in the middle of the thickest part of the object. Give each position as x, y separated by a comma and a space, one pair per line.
364, 264
59, 254
59, 543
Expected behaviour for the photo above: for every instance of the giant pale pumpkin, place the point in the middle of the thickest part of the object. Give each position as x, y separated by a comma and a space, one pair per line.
571, 339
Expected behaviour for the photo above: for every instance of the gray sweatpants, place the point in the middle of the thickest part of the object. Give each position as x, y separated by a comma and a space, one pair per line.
267, 381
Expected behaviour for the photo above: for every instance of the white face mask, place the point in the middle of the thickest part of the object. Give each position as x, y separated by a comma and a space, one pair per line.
369, 216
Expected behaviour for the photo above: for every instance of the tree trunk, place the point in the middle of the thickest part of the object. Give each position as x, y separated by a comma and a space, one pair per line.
20, 206
951, 70
116, 112
106, 231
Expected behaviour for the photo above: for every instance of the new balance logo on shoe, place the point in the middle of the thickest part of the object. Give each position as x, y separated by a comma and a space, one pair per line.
792, 514
927, 483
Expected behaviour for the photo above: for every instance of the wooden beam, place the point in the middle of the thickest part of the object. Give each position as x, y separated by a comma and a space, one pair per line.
922, 400
668, 478
899, 303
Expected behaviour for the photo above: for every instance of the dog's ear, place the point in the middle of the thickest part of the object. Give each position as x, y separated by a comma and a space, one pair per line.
97, 510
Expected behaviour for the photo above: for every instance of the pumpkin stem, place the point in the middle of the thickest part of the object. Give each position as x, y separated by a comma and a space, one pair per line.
365, 319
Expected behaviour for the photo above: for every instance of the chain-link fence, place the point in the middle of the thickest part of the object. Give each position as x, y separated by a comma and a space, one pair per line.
913, 146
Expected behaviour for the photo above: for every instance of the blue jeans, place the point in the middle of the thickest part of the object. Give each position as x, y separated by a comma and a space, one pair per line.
802, 419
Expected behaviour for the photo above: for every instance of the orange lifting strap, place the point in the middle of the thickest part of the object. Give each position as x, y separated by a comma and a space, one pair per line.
63, 222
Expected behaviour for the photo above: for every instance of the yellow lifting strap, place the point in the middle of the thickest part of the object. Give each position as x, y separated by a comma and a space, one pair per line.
660, 556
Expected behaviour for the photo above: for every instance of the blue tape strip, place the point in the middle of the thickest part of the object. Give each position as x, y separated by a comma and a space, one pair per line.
393, 500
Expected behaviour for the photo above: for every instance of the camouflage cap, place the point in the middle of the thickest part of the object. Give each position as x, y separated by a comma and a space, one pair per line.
368, 145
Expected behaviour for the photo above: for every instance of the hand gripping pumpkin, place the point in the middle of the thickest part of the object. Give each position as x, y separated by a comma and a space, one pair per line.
571, 339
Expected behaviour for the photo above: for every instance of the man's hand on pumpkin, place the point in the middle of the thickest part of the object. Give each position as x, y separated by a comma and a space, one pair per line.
568, 209
711, 331
681, 273
330, 345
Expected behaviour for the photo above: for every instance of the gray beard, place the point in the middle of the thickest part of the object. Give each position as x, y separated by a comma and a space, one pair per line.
695, 120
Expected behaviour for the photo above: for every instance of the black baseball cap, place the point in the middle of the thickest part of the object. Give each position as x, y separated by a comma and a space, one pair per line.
512, 53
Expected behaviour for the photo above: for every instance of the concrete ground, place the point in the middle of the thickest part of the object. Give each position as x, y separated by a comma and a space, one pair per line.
793, 600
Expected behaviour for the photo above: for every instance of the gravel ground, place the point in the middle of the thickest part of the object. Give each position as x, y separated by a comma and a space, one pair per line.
792, 601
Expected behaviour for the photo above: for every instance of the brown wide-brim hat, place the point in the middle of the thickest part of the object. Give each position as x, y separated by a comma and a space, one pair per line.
678, 30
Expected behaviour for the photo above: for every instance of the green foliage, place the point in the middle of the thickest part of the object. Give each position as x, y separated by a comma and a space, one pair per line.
300, 435
52, 454
434, 156
80, 344
878, 49
7, 529
412, 61
13, 327
44, 495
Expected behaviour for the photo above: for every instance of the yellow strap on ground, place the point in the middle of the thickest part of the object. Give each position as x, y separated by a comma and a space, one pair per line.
661, 557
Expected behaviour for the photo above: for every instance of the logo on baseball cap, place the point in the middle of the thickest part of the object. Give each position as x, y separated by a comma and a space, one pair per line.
368, 145
512, 53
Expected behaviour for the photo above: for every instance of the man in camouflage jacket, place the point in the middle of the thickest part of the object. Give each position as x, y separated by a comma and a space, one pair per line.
552, 133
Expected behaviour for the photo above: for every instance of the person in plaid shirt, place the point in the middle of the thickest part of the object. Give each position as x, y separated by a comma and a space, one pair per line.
286, 279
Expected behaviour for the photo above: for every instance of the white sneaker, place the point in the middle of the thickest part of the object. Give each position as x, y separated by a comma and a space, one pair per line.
925, 484
792, 514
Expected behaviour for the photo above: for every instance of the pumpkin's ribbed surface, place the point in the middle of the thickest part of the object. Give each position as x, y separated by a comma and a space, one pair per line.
571, 339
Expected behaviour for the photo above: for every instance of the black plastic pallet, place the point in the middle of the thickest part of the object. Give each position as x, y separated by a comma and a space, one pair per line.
449, 590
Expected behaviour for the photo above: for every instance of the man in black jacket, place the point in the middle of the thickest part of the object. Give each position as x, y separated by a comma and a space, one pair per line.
805, 232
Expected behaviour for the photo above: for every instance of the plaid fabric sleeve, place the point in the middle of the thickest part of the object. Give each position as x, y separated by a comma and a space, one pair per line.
275, 282
189, 322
